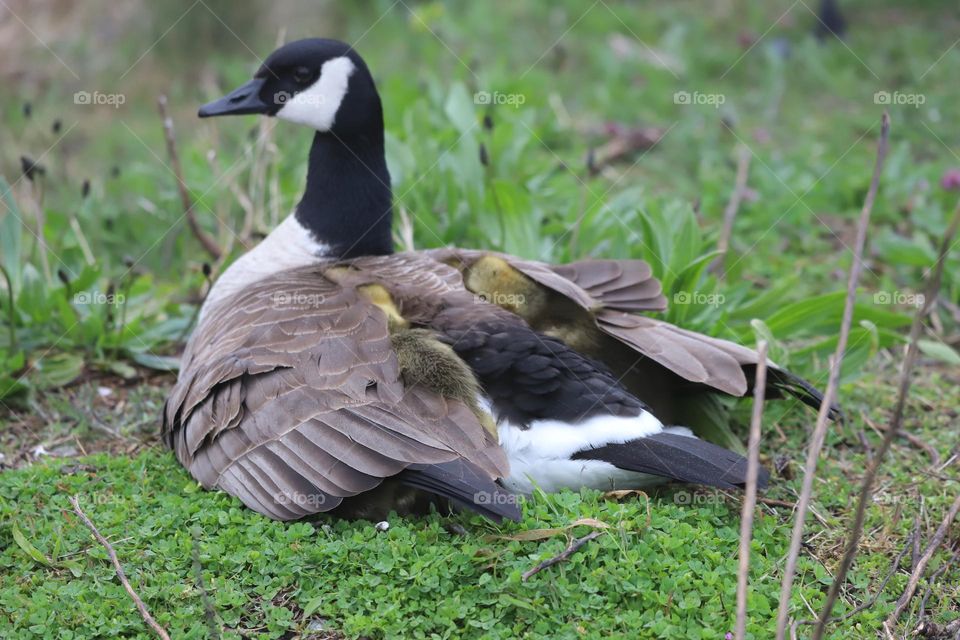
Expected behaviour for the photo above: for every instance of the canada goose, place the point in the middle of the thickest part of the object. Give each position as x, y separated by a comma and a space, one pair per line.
325, 366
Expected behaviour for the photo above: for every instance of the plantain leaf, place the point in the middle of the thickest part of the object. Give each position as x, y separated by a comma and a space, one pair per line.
939, 351
28, 548
10, 233
57, 370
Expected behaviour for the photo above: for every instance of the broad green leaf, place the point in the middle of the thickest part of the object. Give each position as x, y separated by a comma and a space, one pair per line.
28, 548
312, 607
10, 233
56, 370
775, 350
939, 350
122, 369
460, 108
895, 249
155, 362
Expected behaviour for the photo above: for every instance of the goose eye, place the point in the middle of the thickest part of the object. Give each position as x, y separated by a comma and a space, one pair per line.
302, 75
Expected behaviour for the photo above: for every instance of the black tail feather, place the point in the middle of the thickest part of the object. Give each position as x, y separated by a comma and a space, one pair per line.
679, 458
462, 483
780, 382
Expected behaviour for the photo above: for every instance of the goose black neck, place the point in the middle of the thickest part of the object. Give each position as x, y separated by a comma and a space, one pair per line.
347, 204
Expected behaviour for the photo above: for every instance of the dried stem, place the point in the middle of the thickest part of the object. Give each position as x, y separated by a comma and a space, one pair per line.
622, 144
36, 202
208, 243
913, 350
750, 499
932, 580
229, 237
869, 602
119, 570
820, 430
906, 435
571, 549
733, 206
917, 573
405, 230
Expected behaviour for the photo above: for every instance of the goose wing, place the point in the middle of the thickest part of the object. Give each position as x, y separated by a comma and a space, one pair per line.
291, 398
608, 295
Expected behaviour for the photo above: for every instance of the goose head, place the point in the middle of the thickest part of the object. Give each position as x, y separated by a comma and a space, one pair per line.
346, 209
322, 84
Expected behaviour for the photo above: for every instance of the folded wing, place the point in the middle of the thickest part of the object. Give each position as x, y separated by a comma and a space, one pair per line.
291, 398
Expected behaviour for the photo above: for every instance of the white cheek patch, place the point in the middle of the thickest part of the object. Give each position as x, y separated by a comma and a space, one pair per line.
317, 105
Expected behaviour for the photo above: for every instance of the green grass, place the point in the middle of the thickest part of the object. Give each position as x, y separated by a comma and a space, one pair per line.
664, 566
84, 343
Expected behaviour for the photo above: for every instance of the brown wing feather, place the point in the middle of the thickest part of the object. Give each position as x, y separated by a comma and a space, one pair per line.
693, 356
612, 291
290, 395
623, 285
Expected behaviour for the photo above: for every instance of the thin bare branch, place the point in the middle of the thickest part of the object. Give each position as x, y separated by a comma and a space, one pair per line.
405, 230
733, 206
909, 437
894, 567
750, 499
928, 629
913, 350
621, 144
932, 580
208, 243
773, 502
119, 570
917, 573
820, 430
571, 549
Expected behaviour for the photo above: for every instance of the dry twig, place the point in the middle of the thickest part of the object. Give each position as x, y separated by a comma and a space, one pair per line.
208, 243
917, 573
942, 569
913, 350
622, 143
869, 602
405, 230
571, 549
820, 430
733, 206
927, 629
909, 437
119, 570
773, 502
750, 499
